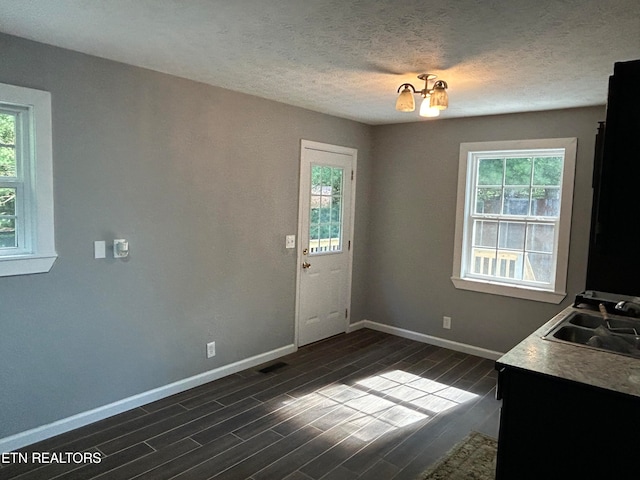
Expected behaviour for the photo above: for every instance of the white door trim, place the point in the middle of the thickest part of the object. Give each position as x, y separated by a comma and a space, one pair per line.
311, 145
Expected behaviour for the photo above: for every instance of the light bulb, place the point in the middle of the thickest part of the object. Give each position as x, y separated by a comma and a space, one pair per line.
426, 110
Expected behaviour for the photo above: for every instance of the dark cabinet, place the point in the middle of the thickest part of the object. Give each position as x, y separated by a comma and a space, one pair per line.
553, 428
614, 260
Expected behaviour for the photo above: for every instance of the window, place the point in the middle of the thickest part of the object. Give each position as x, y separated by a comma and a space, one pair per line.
325, 219
514, 217
26, 183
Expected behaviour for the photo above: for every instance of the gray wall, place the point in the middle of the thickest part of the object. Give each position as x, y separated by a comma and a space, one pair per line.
203, 182
413, 208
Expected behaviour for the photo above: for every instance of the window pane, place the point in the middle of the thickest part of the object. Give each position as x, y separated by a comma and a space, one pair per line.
7, 145
490, 171
489, 200
485, 233
516, 201
316, 180
314, 233
326, 180
539, 267
518, 171
483, 261
7, 201
325, 209
540, 237
512, 235
315, 215
336, 209
8, 237
335, 237
547, 171
8, 233
545, 202
337, 181
509, 265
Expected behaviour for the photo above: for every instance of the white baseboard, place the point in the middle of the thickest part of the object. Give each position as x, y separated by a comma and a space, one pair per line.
355, 326
37, 434
421, 337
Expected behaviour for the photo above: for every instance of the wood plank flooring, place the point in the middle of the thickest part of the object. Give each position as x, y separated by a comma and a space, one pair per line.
364, 405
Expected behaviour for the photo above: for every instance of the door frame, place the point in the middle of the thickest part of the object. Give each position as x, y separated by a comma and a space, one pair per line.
325, 147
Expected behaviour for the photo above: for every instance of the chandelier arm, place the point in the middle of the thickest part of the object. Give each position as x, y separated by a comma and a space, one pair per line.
407, 85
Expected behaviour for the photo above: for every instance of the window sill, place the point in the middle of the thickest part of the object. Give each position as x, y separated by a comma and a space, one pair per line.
26, 265
495, 288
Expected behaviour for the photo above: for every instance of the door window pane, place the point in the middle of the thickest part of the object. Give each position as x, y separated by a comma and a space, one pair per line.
336, 182
325, 217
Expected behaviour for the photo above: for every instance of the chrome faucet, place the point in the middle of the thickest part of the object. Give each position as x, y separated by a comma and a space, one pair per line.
630, 307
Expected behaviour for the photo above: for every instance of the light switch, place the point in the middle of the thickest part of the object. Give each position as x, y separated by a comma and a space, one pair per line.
290, 242
99, 249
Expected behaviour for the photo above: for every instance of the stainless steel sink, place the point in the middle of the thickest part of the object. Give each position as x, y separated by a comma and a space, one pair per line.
614, 334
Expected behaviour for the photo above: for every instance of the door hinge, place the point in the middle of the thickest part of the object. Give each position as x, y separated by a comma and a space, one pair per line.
352, 175
346, 313
349, 245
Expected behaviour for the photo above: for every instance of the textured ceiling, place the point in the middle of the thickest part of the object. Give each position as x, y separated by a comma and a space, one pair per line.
348, 57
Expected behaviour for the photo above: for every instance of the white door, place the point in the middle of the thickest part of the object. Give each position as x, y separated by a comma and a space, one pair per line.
325, 242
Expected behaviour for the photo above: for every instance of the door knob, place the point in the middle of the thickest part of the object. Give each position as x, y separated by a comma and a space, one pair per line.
306, 265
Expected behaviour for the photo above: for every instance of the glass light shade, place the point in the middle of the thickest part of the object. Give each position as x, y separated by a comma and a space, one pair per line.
405, 102
439, 98
426, 110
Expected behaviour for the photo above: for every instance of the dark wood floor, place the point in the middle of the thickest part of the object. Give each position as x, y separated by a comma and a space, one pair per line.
364, 405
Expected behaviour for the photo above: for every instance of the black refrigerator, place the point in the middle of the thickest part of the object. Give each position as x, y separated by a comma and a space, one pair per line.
614, 245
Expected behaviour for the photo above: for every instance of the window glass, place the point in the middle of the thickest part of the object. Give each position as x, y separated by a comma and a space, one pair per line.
514, 215
8, 218
7, 144
325, 217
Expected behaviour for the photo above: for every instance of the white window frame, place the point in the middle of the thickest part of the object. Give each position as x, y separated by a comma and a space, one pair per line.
36, 248
469, 153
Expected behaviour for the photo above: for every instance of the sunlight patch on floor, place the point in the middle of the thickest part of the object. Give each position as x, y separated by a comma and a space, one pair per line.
378, 404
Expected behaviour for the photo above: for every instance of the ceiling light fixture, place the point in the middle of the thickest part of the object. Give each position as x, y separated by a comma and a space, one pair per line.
435, 98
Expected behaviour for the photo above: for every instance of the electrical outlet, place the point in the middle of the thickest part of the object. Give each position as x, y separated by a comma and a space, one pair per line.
446, 322
211, 349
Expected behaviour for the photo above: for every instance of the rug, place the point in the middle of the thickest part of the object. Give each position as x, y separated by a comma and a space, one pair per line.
472, 459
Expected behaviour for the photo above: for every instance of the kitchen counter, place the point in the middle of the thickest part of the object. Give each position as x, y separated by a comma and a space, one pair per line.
564, 399
605, 370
